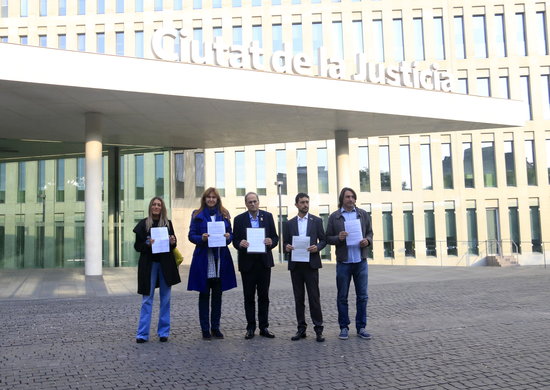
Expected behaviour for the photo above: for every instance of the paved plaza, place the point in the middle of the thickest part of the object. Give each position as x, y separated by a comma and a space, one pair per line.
432, 327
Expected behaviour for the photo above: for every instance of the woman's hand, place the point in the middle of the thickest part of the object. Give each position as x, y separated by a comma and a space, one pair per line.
205, 236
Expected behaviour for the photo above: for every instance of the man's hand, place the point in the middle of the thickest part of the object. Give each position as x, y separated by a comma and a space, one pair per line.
342, 236
244, 244
364, 242
268, 241
312, 249
289, 248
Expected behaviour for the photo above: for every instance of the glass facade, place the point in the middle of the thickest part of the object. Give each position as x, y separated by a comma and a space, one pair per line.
261, 188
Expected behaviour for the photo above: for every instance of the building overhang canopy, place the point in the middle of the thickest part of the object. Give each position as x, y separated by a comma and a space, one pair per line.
45, 93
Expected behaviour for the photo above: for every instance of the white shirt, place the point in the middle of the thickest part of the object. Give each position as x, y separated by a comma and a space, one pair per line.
302, 225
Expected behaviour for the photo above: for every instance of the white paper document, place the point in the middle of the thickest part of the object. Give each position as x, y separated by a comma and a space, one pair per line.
162, 241
300, 244
353, 228
216, 231
255, 238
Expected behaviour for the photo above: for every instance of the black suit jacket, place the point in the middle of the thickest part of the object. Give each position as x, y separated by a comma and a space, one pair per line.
316, 234
246, 260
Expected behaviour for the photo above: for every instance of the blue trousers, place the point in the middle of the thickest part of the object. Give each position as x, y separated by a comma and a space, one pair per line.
360, 274
163, 328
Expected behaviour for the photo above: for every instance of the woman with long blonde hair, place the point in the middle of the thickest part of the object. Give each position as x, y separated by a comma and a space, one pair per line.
155, 270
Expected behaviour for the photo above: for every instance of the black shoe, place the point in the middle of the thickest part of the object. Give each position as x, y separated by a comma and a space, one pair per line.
319, 337
300, 334
249, 334
266, 333
217, 334
206, 335
140, 340
163, 339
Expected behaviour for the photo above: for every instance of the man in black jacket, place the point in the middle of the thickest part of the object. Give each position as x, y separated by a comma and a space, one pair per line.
255, 268
306, 272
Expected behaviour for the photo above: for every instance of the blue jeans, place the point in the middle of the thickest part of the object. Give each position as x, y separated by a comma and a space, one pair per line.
163, 328
360, 274
214, 284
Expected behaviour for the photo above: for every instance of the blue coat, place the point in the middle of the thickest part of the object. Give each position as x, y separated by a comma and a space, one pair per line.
198, 273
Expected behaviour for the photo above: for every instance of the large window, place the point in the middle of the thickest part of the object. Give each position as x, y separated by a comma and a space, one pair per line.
408, 226
358, 36
483, 86
418, 29
41, 181
480, 36
510, 163
260, 172
60, 180
545, 95
541, 40
100, 42
119, 6
515, 233
159, 175
439, 39
139, 177
317, 37
277, 34
281, 169
338, 37
297, 38
220, 172
62, 7
139, 44
138, 7
429, 230
322, 170
364, 172
526, 95
406, 183
468, 158
81, 7
43, 8
158, 6
119, 40
81, 42
21, 181
493, 231
301, 169
62, 41
426, 158
80, 179
199, 174
471, 222
179, 175
24, 8
504, 85
536, 234
387, 232
530, 162
447, 165
521, 42
460, 46
240, 173
378, 39
398, 46
489, 165
100, 6
450, 227
3, 182
385, 175
500, 36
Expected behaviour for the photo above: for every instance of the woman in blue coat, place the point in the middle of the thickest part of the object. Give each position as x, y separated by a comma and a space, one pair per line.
212, 270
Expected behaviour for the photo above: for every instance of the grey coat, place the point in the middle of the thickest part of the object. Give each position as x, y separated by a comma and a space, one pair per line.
336, 225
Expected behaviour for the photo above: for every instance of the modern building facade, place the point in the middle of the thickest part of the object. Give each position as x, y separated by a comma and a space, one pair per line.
437, 198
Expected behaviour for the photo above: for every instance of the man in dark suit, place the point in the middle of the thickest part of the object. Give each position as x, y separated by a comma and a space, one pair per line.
255, 268
306, 273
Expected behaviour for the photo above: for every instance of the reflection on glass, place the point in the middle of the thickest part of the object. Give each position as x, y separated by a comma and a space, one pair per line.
489, 164
447, 166
515, 235
510, 163
220, 172
322, 170
426, 158
301, 169
429, 232
536, 234
199, 174
281, 169
408, 225
385, 177
530, 163
364, 172
450, 225
468, 159
260, 172
387, 230
240, 173
405, 167
471, 222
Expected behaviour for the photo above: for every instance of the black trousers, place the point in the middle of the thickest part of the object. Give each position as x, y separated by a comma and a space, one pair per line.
305, 278
256, 280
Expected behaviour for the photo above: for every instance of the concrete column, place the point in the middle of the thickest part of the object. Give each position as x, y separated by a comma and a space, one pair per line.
341, 145
93, 217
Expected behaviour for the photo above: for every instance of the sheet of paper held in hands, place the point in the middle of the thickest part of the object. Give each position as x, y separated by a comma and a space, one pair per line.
300, 244
353, 228
216, 231
255, 238
162, 241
